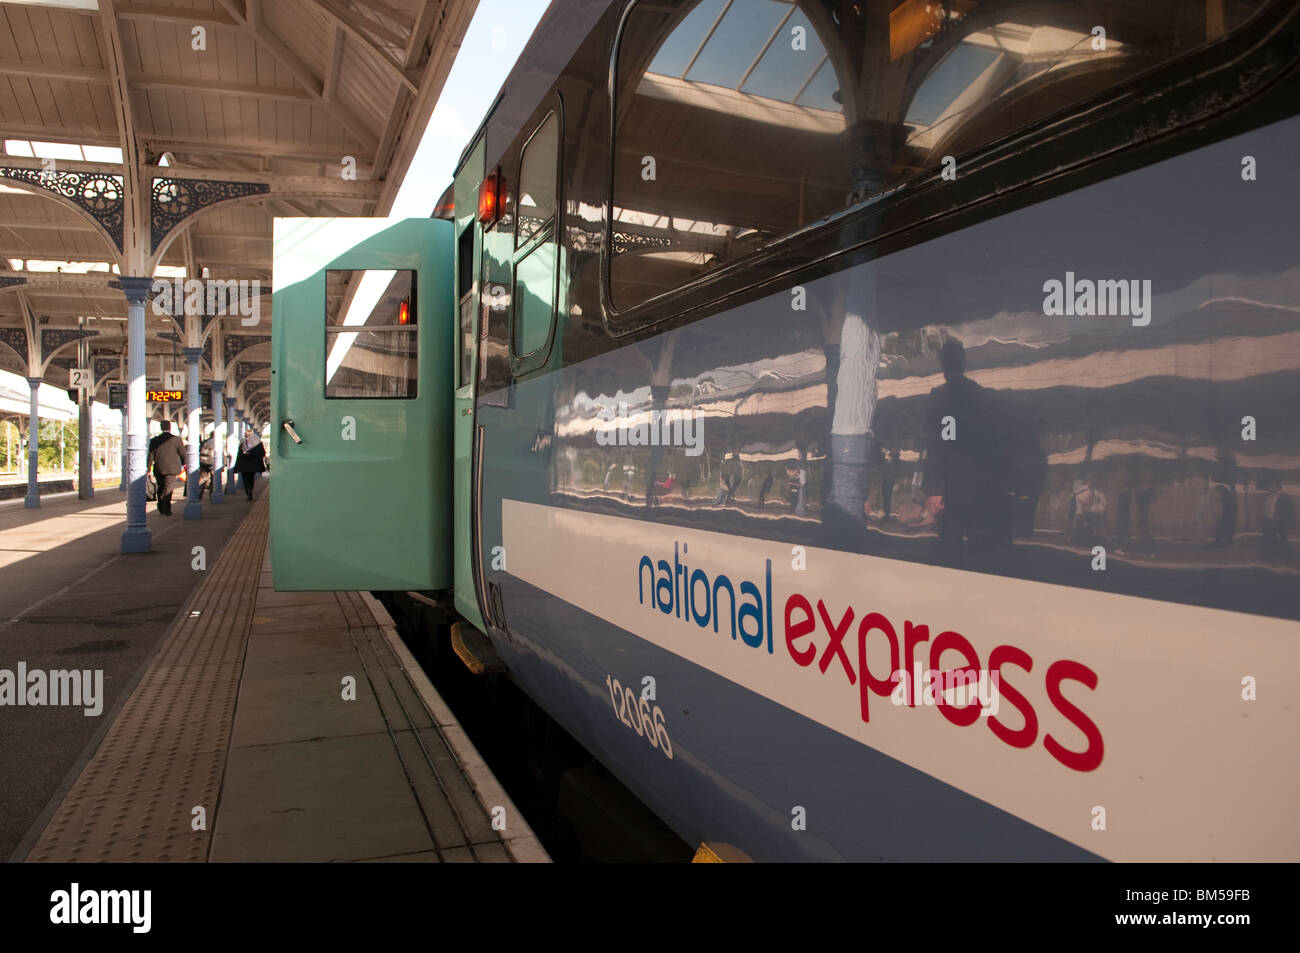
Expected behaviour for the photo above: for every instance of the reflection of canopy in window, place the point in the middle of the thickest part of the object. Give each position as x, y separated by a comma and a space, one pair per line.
707, 78
762, 116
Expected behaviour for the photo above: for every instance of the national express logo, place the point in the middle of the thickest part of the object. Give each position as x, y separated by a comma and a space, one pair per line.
794, 629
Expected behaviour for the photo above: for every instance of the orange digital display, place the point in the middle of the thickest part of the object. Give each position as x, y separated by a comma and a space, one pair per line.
163, 396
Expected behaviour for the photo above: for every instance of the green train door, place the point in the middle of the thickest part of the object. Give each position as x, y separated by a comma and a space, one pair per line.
362, 364
469, 250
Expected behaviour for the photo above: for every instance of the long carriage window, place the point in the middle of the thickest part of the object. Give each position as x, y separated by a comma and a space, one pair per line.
739, 121
371, 334
535, 258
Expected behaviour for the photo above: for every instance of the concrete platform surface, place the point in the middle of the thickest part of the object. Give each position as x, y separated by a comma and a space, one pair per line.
283, 727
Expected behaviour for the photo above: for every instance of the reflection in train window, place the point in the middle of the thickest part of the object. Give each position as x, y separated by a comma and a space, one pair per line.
371, 334
739, 121
536, 202
534, 298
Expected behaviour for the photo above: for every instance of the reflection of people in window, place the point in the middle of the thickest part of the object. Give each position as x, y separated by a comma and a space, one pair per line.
969, 464
1277, 518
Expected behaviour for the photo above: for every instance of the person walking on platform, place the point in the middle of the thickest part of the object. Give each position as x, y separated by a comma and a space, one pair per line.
167, 453
251, 461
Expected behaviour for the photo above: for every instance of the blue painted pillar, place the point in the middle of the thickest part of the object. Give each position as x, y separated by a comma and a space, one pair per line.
33, 498
232, 478
218, 443
122, 452
194, 424
136, 538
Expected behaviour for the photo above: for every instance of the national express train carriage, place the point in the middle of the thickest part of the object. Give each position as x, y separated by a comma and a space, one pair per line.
869, 428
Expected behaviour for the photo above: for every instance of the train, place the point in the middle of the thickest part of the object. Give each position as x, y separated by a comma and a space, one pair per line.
869, 428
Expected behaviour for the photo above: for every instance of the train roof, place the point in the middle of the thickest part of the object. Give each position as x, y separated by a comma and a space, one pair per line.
561, 30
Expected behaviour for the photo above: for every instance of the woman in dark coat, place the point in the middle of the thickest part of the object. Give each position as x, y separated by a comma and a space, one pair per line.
250, 462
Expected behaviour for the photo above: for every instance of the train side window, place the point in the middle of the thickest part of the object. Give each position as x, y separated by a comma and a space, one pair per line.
536, 254
371, 334
466, 302
737, 122
535, 206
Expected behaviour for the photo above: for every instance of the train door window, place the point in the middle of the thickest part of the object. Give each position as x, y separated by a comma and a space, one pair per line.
466, 303
535, 278
737, 122
371, 334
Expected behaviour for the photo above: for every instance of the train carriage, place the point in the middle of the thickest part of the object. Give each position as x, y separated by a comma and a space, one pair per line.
869, 428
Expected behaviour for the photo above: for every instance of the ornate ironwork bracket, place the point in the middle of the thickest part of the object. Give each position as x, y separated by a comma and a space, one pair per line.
104, 366
98, 194
9, 282
246, 369
173, 200
52, 340
236, 344
16, 338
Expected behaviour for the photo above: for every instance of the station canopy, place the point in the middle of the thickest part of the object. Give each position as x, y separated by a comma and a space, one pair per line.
159, 139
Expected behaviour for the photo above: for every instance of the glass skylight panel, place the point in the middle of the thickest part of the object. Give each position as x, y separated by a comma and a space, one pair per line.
958, 70
102, 154
783, 70
820, 93
675, 55
737, 41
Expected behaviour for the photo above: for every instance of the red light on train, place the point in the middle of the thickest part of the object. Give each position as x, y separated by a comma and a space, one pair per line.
489, 199
404, 312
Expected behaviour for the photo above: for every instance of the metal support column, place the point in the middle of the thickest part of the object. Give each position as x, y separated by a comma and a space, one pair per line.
85, 429
122, 453
136, 538
218, 443
33, 498
233, 478
194, 427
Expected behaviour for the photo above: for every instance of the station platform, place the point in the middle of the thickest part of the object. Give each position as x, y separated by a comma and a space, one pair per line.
266, 726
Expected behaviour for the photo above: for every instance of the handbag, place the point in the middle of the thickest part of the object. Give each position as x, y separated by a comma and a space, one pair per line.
150, 481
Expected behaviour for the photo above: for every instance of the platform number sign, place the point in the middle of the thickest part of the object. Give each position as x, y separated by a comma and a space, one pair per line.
79, 378
173, 380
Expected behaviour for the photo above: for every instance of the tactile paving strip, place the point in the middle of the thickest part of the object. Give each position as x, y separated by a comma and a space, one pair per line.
165, 753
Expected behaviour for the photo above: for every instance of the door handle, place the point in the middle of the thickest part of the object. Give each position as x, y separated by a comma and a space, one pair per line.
287, 425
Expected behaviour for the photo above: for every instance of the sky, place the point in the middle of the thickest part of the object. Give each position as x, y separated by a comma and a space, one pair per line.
494, 40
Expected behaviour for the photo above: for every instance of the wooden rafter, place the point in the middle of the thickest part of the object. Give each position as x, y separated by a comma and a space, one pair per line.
251, 20
135, 220
345, 20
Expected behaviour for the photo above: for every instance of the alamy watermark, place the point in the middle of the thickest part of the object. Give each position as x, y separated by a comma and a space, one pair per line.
958, 688
76, 688
209, 296
1083, 297
75, 906
654, 428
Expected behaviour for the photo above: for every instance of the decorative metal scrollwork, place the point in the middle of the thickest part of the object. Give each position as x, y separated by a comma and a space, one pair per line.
626, 241
16, 338
51, 341
236, 344
172, 200
246, 369
101, 195
10, 281
105, 366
